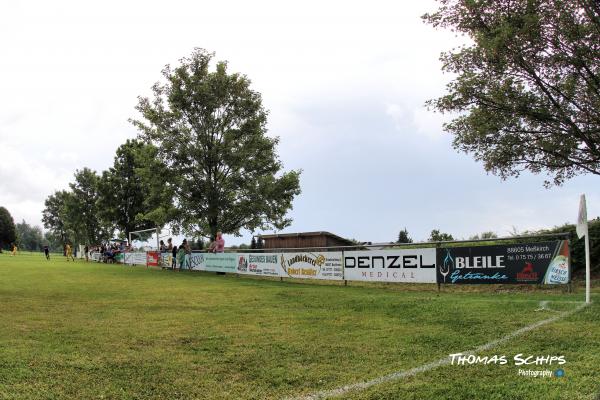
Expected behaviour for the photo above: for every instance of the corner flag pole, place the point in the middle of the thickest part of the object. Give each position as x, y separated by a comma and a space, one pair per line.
582, 230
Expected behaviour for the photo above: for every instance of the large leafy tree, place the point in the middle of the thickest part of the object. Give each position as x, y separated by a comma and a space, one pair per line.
8, 232
54, 216
527, 87
82, 210
134, 193
210, 129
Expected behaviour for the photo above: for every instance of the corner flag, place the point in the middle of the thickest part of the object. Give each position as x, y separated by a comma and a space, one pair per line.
582, 225
582, 230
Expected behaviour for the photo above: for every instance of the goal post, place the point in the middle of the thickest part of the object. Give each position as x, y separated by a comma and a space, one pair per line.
153, 231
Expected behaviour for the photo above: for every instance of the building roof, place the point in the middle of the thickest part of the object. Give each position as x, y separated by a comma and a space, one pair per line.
306, 234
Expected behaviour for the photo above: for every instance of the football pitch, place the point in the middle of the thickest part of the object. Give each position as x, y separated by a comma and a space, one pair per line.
97, 331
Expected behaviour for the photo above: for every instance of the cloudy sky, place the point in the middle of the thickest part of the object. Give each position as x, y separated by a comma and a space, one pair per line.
345, 83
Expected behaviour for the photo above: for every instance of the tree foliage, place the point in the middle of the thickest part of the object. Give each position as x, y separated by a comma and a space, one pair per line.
403, 237
484, 235
29, 237
437, 236
134, 194
210, 130
527, 90
81, 209
54, 216
8, 232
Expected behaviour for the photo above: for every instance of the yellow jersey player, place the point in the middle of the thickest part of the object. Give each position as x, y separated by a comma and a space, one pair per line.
69, 252
14, 250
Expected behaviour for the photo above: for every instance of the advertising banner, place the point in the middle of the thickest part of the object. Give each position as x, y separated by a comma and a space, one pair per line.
262, 264
166, 260
319, 265
137, 258
407, 265
218, 262
152, 258
196, 261
543, 262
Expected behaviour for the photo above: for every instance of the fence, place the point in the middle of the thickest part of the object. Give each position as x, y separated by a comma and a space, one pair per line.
458, 262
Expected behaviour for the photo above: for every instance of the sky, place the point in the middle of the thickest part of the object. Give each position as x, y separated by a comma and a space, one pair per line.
345, 84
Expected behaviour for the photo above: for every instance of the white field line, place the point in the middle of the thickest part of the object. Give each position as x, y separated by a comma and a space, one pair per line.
324, 394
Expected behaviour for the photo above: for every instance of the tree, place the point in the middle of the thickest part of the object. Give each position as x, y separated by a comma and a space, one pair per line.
210, 130
29, 237
8, 232
134, 193
527, 90
437, 236
54, 242
82, 211
198, 244
260, 244
403, 237
54, 216
253, 243
484, 235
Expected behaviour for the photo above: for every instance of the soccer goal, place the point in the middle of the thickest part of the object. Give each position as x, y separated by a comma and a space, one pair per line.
145, 239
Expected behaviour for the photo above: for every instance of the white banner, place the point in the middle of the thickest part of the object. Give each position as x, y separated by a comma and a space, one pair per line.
407, 265
318, 265
137, 258
263, 264
220, 262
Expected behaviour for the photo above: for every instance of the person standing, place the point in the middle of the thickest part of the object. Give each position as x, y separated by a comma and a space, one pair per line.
181, 256
14, 249
47, 252
174, 257
219, 243
86, 250
188, 253
69, 252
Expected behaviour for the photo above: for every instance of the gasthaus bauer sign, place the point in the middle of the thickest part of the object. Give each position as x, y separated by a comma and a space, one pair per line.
407, 265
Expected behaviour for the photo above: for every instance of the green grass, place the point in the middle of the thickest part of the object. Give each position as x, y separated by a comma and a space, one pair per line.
96, 331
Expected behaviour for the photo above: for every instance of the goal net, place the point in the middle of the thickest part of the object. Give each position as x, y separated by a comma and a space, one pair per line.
144, 240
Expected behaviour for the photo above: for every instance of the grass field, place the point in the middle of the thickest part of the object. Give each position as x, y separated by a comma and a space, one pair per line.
97, 331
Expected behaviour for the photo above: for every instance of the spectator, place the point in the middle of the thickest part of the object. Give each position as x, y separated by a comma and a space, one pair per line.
170, 244
188, 252
219, 243
181, 256
86, 250
174, 257
47, 252
162, 246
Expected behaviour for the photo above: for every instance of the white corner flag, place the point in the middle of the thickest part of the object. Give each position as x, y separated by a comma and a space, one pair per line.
582, 225
582, 230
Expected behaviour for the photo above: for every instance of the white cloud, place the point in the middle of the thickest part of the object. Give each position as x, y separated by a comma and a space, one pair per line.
428, 123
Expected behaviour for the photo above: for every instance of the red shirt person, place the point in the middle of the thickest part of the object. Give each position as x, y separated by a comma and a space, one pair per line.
218, 246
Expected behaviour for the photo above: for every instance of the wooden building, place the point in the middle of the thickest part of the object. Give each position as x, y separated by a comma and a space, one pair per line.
304, 240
